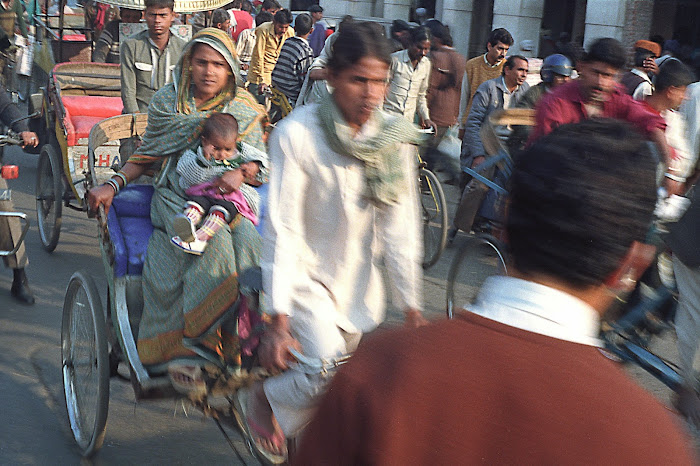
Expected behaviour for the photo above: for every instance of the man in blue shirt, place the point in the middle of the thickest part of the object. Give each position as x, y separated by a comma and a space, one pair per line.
318, 36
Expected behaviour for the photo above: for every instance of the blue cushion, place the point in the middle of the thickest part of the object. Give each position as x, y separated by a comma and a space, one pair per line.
130, 228
262, 190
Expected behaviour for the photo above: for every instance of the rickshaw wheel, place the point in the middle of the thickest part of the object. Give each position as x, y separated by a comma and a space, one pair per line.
85, 365
49, 197
434, 215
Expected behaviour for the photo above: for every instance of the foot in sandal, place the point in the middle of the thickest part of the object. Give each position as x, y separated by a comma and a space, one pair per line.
260, 425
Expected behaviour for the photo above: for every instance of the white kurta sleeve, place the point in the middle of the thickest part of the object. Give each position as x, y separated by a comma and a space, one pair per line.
400, 230
282, 237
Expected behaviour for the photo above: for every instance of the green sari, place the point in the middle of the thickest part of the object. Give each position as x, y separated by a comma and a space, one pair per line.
188, 299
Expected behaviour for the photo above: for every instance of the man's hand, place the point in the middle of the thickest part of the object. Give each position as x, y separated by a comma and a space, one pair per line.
430, 124
650, 66
245, 66
29, 139
230, 181
101, 195
274, 347
262, 88
414, 319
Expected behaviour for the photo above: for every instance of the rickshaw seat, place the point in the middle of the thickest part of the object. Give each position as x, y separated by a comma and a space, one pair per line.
84, 111
129, 222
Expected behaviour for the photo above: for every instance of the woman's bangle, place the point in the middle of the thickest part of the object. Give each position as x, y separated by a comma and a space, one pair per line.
114, 185
121, 175
673, 177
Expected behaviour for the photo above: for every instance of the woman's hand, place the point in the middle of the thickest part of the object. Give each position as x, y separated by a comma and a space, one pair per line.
101, 195
229, 181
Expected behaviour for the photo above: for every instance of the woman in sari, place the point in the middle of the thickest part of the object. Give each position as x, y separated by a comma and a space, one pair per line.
188, 299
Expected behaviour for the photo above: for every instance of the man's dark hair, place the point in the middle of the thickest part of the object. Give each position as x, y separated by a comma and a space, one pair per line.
673, 73
440, 31
500, 35
419, 34
640, 55
219, 16
246, 6
345, 21
579, 197
607, 50
283, 16
303, 24
356, 41
160, 4
399, 25
222, 125
270, 5
262, 17
510, 62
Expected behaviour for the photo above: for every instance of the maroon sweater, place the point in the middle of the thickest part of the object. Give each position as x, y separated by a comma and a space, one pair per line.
473, 391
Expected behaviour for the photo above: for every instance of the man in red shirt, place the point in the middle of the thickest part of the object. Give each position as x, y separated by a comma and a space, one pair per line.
596, 94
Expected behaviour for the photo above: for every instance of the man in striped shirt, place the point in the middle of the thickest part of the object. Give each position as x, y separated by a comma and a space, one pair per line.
295, 59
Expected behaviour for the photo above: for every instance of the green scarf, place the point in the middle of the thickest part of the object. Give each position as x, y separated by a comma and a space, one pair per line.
380, 154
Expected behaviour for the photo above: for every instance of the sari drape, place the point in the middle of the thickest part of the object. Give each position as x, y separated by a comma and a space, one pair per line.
188, 299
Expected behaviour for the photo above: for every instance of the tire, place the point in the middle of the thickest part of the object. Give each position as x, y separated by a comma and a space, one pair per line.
49, 197
479, 257
434, 215
85, 365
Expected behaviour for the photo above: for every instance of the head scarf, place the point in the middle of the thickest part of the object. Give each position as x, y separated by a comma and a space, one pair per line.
174, 120
222, 43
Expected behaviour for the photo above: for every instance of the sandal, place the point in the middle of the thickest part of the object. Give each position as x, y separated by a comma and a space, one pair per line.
251, 430
187, 379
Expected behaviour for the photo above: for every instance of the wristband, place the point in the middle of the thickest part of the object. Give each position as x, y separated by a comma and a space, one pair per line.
114, 185
670, 176
121, 175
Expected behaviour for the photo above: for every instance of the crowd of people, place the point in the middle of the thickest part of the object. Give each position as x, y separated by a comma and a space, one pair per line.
518, 376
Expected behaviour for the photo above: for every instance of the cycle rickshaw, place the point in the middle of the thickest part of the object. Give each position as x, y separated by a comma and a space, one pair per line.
94, 340
78, 96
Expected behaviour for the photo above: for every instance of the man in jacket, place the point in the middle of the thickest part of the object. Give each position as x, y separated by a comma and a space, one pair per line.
494, 94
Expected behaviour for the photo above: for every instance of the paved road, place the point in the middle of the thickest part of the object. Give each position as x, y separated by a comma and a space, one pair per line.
33, 426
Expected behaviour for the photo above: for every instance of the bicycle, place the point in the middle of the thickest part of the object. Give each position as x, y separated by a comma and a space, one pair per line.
484, 254
433, 212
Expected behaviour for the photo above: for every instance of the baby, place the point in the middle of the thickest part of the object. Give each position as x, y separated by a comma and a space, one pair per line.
199, 171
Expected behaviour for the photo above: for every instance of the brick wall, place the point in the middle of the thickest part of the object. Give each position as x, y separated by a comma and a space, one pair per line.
638, 16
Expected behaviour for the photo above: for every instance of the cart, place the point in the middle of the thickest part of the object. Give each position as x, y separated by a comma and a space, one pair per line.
94, 341
79, 95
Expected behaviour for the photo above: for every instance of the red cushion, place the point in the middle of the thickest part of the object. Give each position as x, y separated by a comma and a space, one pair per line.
85, 111
74, 37
78, 127
92, 105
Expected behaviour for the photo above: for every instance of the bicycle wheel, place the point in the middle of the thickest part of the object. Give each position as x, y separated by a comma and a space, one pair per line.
480, 257
85, 363
434, 213
49, 197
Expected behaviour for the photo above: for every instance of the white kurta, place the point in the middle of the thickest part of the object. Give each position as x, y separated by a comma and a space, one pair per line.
323, 244
322, 229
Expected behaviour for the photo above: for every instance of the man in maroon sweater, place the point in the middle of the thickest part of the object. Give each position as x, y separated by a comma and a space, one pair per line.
519, 378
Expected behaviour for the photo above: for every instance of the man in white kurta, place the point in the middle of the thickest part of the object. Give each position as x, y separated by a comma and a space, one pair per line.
322, 250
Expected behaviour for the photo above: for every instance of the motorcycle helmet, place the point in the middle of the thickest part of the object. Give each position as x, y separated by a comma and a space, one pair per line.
555, 64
